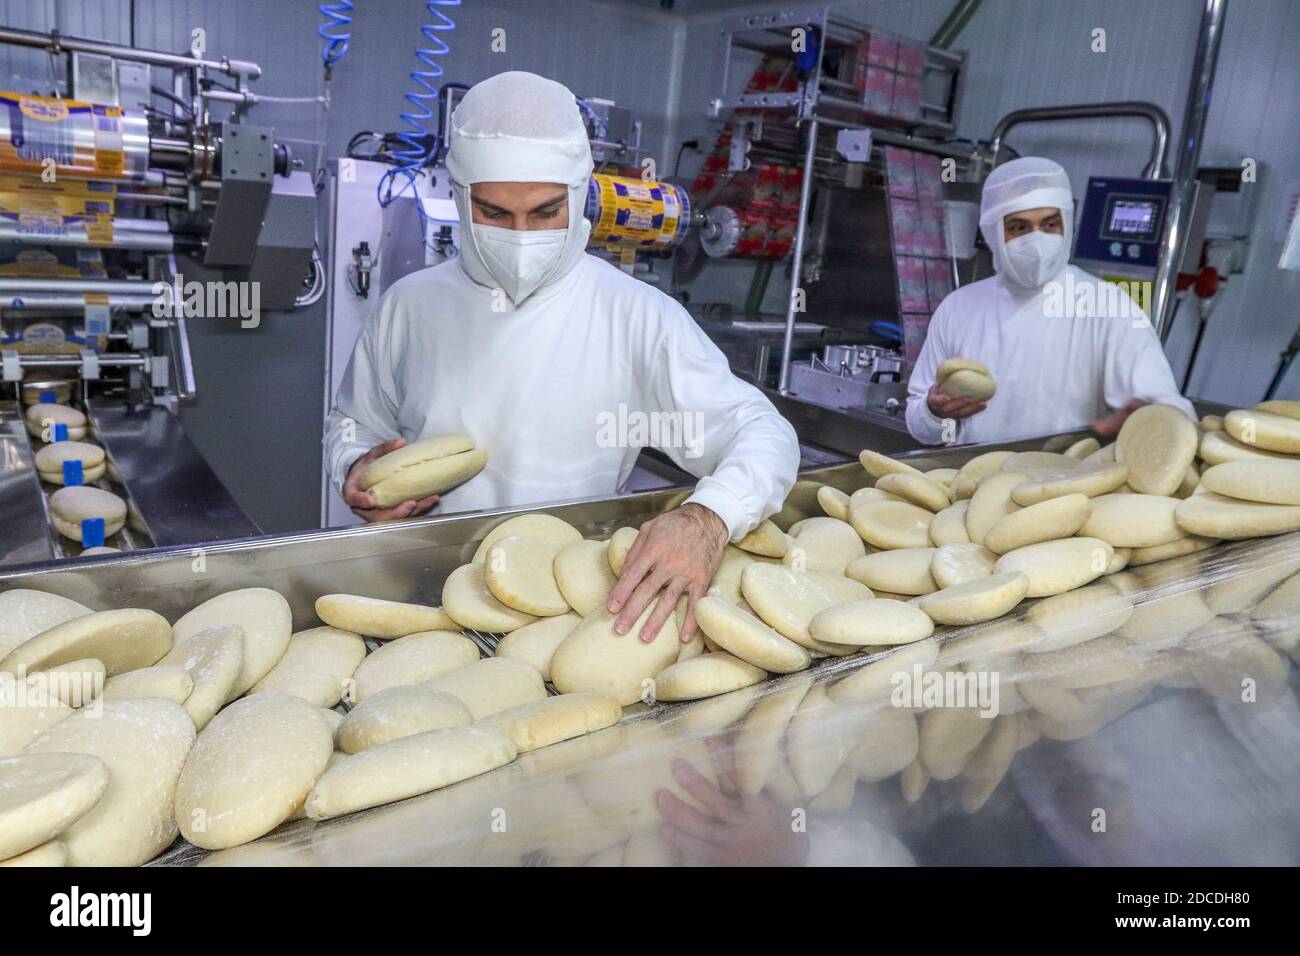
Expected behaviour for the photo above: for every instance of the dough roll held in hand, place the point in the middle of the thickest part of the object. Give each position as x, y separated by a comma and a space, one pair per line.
965, 378
426, 467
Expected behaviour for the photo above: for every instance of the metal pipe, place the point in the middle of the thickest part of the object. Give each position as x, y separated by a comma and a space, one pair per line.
1156, 167
78, 236
57, 43
1183, 192
63, 361
954, 23
796, 267
75, 286
27, 303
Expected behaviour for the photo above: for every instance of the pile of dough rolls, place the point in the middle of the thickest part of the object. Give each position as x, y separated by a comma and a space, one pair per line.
225, 724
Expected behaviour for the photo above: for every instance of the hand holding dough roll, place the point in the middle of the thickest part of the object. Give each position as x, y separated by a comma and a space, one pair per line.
427, 467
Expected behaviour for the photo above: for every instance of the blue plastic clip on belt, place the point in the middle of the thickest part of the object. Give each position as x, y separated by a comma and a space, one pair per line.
60, 432
72, 473
49, 398
92, 533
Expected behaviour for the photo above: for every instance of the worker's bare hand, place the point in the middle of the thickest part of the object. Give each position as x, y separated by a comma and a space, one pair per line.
1112, 423
733, 828
674, 554
363, 504
950, 406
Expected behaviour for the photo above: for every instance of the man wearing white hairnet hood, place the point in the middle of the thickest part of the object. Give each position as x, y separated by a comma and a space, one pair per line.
1067, 350
529, 345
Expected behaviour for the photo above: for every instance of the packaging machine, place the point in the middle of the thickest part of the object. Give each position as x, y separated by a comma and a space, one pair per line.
1106, 720
120, 223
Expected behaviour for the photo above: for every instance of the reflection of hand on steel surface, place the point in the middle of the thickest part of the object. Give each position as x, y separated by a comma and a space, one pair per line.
733, 828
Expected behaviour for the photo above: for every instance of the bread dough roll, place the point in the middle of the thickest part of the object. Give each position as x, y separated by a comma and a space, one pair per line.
787, 601
1091, 478
42, 794
1133, 521
316, 666
967, 383
50, 459
918, 489
888, 524
97, 552
726, 580
594, 658
822, 544
399, 711
213, 658
76, 683
968, 476
878, 465
1158, 443
583, 575
759, 743
949, 525
965, 378
51, 853
553, 532
834, 502
767, 540
746, 637
551, 720
873, 621
376, 618
412, 659
1082, 448
262, 614
619, 545
1047, 520
1287, 408
493, 684
251, 769
406, 767
1275, 482
45, 415
976, 600
520, 574
1218, 447
422, 468
955, 564
1188, 544
902, 571
536, 643
24, 613
468, 601
143, 743
1057, 566
23, 720
1216, 516
991, 502
122, 640
1265, 430
949, 737
706, 676
168, 682
69, 507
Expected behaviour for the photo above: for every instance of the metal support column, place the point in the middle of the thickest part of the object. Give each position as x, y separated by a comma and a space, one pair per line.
796, 267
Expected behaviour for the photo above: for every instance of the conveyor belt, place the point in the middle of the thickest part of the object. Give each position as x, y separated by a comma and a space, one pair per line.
1153, 738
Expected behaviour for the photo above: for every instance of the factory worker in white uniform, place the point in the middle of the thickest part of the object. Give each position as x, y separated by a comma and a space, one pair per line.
543, 353
1068, 350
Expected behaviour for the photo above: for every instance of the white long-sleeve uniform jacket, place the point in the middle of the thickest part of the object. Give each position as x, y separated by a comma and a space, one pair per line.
1054, 373
547, 388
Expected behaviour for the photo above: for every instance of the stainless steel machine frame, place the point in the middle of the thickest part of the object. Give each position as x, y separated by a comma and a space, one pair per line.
812, 108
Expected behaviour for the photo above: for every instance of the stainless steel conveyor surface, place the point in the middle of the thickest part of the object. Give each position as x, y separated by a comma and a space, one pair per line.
1123, 736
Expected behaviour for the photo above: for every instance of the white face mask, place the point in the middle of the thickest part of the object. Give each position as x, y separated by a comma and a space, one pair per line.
519, 260
1035, 258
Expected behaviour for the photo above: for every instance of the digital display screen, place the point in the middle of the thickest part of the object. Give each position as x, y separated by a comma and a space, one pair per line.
1132, 218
